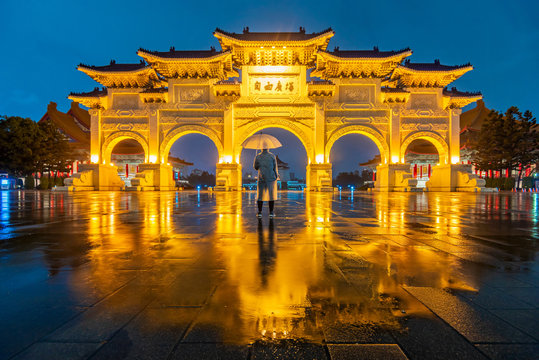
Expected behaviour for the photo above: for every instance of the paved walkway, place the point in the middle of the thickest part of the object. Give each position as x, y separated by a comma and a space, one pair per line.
192, 275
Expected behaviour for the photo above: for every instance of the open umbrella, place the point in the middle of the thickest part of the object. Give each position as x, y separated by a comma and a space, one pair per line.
261, 141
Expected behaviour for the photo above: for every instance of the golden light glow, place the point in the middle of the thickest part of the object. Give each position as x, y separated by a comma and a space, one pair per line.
95, 158
395, 159
455, 159
320, 158
227, 159
153, 159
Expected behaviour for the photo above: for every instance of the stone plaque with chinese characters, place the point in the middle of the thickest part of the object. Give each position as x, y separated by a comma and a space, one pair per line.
274, 85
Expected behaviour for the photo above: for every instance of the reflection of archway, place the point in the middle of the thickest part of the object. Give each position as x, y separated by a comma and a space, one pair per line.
435, 139
180, 131
372, 134
113, 139
284, 124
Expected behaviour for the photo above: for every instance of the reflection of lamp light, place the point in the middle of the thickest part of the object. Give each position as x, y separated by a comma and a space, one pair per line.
395, 159
455, 160
95, 158
227, 159
320, 159
153, 159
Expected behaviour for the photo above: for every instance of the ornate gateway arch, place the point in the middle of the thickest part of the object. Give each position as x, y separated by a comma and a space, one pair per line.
288, 80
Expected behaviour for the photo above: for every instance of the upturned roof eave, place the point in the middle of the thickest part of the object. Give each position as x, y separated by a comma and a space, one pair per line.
399, 55
217, 56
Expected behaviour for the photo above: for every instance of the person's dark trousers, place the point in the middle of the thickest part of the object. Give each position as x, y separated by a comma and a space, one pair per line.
270, 203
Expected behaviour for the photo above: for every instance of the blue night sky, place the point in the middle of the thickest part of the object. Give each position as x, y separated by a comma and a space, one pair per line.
44, 41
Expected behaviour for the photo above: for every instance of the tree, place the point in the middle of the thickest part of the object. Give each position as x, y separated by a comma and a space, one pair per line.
508, 141
29, 182
28, 147
202, 178
19, 145
345, 179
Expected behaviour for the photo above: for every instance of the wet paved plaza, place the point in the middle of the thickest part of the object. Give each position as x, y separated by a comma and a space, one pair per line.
187, 275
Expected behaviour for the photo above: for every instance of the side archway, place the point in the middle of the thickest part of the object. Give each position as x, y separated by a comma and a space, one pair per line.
369, 132
182, 130
284, 124
435, 139
114, 138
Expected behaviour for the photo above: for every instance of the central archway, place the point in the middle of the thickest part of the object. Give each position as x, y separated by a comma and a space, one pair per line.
291, 159
285, 124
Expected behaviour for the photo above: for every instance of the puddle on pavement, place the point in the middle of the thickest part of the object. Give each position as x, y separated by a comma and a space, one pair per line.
330, 266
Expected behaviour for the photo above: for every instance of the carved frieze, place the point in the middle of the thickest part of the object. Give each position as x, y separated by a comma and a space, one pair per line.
424, 112
125, 101
358, 113
298, 111
424, 101
356, 94
124, 112
192, 94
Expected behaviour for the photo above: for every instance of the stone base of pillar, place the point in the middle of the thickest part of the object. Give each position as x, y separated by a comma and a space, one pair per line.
319, 177
454, 177
394, 177
95, 177
228, 177
153, 177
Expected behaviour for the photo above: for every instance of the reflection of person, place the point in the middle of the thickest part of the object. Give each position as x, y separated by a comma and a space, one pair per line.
266, 252
266, 164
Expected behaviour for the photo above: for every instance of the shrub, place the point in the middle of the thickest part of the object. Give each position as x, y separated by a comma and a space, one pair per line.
44, 184
29, 182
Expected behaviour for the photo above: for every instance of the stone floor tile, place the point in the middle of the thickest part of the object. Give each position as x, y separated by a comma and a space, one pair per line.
151, 335
215, 351
510, 351
101, 321
429, 338
366, 351
525, 320
356, 334
474, 323
492, 298
56, 351
287, 349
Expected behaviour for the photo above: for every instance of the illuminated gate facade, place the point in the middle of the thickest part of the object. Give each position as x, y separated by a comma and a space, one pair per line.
285, 80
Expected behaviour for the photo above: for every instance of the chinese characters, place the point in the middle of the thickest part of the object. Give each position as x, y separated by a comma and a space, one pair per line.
274, 86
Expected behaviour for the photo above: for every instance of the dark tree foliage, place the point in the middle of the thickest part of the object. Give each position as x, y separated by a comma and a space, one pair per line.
28, 147
344, 179
20, 145
507, 141
203, 178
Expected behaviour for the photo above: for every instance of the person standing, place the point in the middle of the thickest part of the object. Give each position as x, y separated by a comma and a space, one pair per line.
266, 164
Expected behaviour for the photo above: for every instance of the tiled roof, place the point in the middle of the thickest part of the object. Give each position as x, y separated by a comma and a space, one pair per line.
273, 36
176, 160
375, 53
184, 54
435, 66
96, 92
455, 92
114, 67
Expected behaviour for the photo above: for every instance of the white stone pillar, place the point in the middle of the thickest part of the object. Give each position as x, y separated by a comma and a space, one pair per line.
95, 136
454, 136
395, 155
154, 155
